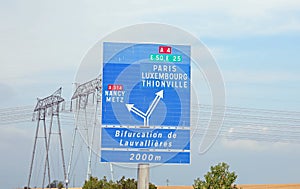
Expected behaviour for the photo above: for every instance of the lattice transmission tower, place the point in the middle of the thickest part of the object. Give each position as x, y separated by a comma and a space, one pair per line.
86, 94
49, 106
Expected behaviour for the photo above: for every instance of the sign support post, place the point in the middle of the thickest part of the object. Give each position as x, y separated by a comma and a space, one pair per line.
143, 176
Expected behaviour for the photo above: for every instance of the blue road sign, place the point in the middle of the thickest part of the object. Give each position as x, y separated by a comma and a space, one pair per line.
145, 85
145, 138
145, 157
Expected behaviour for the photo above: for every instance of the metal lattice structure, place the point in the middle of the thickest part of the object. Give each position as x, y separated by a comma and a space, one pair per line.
53, 100
84, 92
47, 106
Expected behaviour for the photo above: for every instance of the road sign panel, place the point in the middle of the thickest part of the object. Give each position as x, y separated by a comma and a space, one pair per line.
145, 157
145, 138
146, 85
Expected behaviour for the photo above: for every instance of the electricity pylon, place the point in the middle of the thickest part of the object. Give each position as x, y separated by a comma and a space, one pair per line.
81, 96
47, 106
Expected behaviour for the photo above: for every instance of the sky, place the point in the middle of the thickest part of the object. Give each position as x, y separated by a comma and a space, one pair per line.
255, 44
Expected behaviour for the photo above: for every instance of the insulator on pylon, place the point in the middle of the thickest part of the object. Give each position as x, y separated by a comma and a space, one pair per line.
71, 106
33, 116
63, 106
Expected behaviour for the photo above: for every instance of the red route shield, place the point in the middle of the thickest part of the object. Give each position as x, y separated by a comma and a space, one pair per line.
165, 50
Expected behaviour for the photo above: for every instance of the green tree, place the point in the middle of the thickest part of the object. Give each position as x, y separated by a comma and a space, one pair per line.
219, 177
127, 183
152, 186
123, 183
60, 185
55, 184
131, 184
93, 183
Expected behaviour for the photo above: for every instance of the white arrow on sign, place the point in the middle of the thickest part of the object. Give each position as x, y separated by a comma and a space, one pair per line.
138, 112
146, 116
133, 109
154, 103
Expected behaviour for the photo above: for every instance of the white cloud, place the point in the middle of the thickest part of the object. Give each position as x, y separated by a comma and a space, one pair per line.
262, 77
39, 36
256, 146
229, 18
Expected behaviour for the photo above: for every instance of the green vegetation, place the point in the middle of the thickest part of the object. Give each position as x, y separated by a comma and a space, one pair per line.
219, 177
60, 185
55, 184
123, 183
